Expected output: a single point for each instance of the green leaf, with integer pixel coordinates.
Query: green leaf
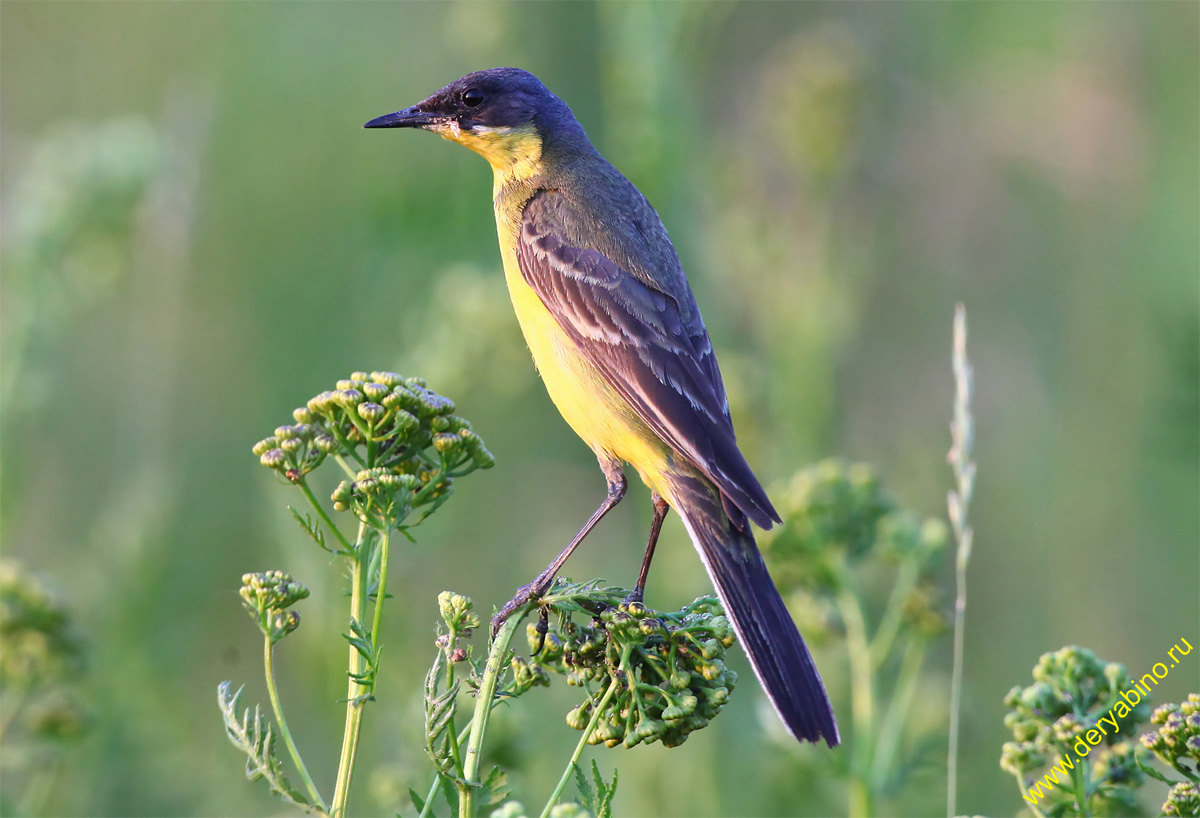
(450, 792)
(494, 788)
(604, 792)
(417, 800)
(255, 736)
(1151, 771)
(439, 711)
(587, 795)
(311, 529)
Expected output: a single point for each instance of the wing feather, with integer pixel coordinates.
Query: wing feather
(637, 337)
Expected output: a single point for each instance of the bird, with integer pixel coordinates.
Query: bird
(616, 335)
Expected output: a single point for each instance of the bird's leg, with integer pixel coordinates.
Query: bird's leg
(616, 491)
(660, 512)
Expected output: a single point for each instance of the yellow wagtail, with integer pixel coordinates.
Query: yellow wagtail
(618, 340)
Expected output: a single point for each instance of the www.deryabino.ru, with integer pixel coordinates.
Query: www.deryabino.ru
(1127, 700)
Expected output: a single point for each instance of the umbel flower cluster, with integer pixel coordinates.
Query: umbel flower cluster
(837, 518)
(650, 676)
(400, 442)
(43, 655)
(267, 597)
(1176, 743)
(1072, 692)
(400, 447)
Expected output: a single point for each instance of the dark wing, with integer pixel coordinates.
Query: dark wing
(634, 335)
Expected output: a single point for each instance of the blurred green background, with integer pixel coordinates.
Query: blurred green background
(198, 237)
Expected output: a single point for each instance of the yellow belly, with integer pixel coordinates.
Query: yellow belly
(596, 411)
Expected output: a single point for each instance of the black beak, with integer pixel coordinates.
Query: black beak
(408, 118)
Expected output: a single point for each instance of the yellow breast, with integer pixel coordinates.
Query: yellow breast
(589, 404)
(593, 408)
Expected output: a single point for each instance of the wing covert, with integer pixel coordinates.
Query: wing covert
(636, 335)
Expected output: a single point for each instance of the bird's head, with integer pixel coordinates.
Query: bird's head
(504, 114)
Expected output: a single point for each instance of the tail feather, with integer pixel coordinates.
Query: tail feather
(764, 627)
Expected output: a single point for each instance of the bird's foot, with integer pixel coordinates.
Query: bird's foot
(524, 595)
(634, 598)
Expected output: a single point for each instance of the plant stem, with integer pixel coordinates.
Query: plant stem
(583, 740)
(862, 694)
(484, 701)
(893, 616)
(380, 587)
(437, 779)
(281, 722)
(962, 434)
(1082, 796)
(460, 783)
(892, 724)
(1032, 806)
(354, 704)
(960, 613)
(303, 484)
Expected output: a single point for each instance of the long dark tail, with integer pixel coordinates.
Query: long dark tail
(765, 628)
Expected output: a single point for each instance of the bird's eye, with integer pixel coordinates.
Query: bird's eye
(473, 98)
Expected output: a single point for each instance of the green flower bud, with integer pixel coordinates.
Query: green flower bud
(1153, 742)
(406, 422)
(303, 415)
(483, 458)
(1068, 728)
(265, 445)
(286, 432)
(1018, 757)
(348, 398)
(1162, 713)
(1114, 672)
(650, 729)
(403, 398)
(578, 717)
(439, 424)
(274, 459)
(635, 609)
(609, 730)
(456, 610)
(510, 809)
(568, 809)
(375, 391)
(674, 713)
(680, 680)
(431, 402)
(446, 443)
(371, 412)
(321, 404)
(1183, 799)
(388, 379)
(283, 623)
(291, 445)
(327, 444)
